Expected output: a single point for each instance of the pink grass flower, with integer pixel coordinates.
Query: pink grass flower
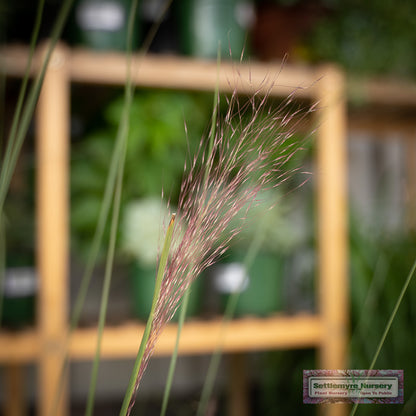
(250, 152)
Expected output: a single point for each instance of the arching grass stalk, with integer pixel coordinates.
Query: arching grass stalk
(132, 386)
(252, 145)
(184, 305)
(389, 324)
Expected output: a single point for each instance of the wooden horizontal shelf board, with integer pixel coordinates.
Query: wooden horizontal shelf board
(203, 337)
(382, 124)
(18, 346)
(195, 74)
(177, 72)
(173, 72)
(384, 92)
(198, 337)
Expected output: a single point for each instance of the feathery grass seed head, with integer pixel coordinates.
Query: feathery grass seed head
(250, 151)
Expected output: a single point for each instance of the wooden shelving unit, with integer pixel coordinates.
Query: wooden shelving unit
(46, 343)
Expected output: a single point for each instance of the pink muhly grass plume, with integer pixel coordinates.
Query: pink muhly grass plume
(248, 152)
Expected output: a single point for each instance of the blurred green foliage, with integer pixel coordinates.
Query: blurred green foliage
(367, 37)
(156, 151)
(379, 266)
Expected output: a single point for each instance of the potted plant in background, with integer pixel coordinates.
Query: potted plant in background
(102, 25)
(18, 279)
(205, 24)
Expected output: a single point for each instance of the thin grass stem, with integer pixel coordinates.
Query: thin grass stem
(229, 312)
(104, 211)
(184, 305)
(174, 356)
(11, 147)
(410, 406)
(2, 262)
(122, 138)
(105, 205)
(28, 109)
(94, 251)
(24, 110)
(389, 324)
(106, 287)
(126, 406)
(364, 323)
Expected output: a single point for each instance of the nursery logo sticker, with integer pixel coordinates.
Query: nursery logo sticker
(357, 386)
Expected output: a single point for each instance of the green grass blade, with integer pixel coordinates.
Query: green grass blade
(229, 312)
(184, 305)
(106, 286)
(365, 321)
(103, 214)
(28, 109)
(24, 110)
(389, 324)
(172, 364)
(105, 208)
(12, 151)
(159, 278)
(410, 406)
(2, 262)
(393, 315)
(155, 26)
(122, 137)
(11, 147)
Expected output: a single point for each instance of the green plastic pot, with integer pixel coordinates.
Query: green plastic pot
(142, 283)
(205, 23)
(102, 24)
(19, 295)
(261, 287)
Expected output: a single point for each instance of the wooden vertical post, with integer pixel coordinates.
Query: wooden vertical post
(52, 228)
(238, 402)
(332, 227)
(410, 146)
(15, 403)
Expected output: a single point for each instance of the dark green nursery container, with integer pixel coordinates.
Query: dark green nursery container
(102, 25)
(205, 23)
(261, 294)
(18, 297)
(142, 283)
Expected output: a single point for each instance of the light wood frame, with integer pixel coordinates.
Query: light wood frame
(326, 330)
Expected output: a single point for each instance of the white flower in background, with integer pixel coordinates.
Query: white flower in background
(141, 229)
